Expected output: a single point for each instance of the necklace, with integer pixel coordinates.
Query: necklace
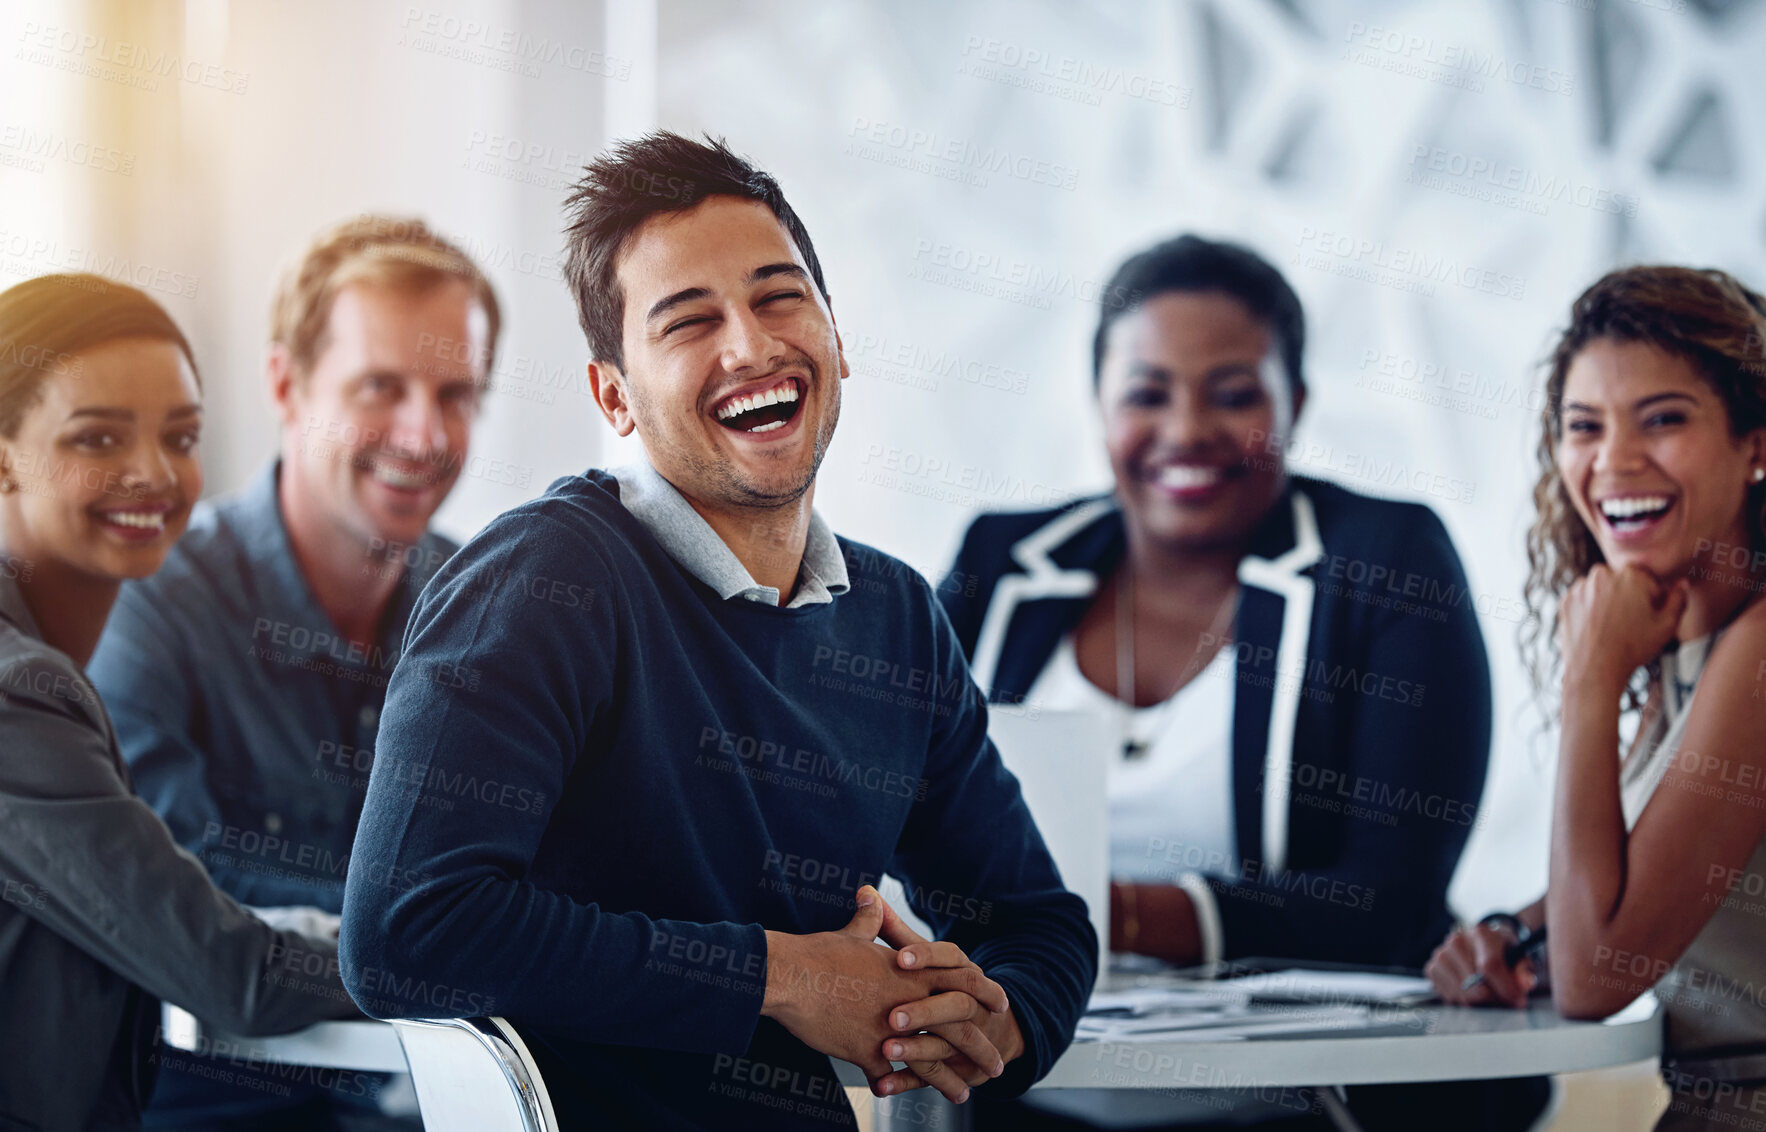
(1135, 747)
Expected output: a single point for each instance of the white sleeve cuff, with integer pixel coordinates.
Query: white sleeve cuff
(1207, 914)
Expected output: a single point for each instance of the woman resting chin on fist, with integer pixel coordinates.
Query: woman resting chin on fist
(1649, 553)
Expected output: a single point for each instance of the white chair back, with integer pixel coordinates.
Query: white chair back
(475, 1075)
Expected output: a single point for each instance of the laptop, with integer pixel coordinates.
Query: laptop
(1061, 759)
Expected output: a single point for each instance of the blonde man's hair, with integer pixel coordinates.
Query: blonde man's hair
(399, 253)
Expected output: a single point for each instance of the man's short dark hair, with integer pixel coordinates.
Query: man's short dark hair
(1191, 263)
(658, 173)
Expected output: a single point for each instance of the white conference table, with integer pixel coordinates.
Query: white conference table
(1397, 1045)
(1427, 1043)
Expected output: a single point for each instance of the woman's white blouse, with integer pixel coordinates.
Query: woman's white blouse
(1171, 809)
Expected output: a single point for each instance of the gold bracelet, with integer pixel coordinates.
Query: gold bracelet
(1131, 920)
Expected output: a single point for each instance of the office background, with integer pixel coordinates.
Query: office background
(1438, 180)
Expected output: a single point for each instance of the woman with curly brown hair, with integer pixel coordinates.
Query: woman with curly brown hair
(1647, 557)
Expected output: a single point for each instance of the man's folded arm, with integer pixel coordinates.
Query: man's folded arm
(440, 919)
(472, 943)
(977, 870)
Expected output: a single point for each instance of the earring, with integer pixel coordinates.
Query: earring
(1759, 474)
(8, 486)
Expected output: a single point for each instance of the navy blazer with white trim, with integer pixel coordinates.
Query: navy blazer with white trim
(1362, 697)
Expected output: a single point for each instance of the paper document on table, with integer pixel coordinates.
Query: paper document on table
(1231, 1023)
(1140, 1001)
(1300, 985)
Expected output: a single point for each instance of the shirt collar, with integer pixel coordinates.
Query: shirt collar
(258, 524)
(257, 521)
(692, 543)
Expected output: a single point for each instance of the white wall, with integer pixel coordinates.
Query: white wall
(471, 114)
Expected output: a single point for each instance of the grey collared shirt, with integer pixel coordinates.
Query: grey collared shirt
(690, 541)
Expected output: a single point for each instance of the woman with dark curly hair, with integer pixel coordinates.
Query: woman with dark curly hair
(1647, 558)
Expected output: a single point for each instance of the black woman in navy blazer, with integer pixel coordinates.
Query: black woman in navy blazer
(1360, 715)
(1382, 744)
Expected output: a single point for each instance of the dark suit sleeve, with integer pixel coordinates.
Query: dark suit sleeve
(115, 885)
(1410, 702)
(977, 870)
(143, 669)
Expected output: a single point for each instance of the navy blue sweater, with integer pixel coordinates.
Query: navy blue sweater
(597, 785)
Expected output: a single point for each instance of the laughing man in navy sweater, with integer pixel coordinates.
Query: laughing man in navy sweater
(652, 731)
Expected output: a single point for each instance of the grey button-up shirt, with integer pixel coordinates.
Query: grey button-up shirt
(690, 541)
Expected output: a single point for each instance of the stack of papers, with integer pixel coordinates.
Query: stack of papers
(1163, 999)
(1363, 987)
(1220, 1023)
(1279, 1002)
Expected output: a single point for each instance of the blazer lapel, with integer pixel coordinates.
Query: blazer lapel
(1258, 627)
(1064, 560)
(1274, 634)
(1044, 577)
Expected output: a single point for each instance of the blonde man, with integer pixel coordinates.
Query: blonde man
(246, 678)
